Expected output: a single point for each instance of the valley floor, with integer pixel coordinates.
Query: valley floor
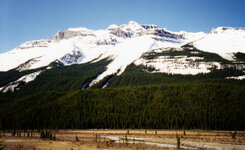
(127, 139)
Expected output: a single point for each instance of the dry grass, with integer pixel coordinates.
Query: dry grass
(86, 139)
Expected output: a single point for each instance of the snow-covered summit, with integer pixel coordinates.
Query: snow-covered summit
(113, 26)
(224, 41)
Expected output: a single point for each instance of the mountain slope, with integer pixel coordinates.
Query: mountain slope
(224, 41)
(59, 78)
(127, 76)
(157, 49)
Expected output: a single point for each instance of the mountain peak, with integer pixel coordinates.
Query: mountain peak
(78, 29)
(132, 23)
(71, 32)
(112, 26)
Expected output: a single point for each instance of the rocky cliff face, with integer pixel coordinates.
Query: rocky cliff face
(70, 33)
(36, 43)
(72, 58)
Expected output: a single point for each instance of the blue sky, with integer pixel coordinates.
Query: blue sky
(23, 20)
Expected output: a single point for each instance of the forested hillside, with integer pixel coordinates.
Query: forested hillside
(59, 78)
(135, 76)
(60, 98)
(175, 106)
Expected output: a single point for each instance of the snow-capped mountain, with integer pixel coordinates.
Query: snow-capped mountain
(89, 44)
(126, 44)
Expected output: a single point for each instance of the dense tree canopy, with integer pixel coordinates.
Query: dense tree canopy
(182, 106)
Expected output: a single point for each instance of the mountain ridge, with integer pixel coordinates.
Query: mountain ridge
(105, 39)
(158, 48)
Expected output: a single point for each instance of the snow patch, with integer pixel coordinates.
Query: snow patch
(124, 54)
(30, 77)
(178, 65)
(237, 78)
(12, 86)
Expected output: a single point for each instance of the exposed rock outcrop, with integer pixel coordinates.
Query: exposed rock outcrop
(70, 33)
